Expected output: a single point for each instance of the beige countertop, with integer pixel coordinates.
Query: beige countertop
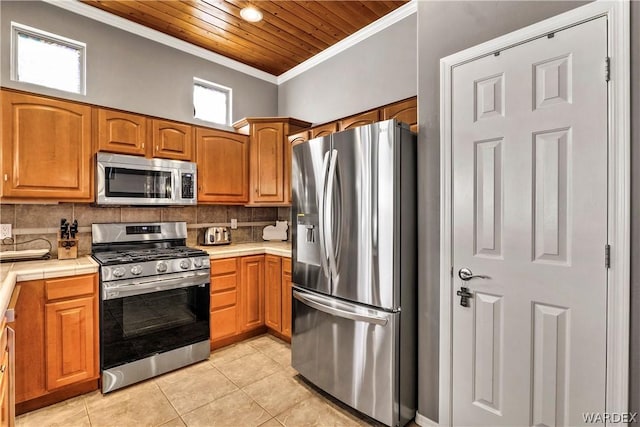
(245, 249)
(11, 273)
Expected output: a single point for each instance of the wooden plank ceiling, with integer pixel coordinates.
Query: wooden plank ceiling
(290, 33)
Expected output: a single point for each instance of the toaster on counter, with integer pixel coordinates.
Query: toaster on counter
(217, 236)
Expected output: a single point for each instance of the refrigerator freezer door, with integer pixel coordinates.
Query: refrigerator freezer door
(362, 214)
(310, 164)
(349, 351)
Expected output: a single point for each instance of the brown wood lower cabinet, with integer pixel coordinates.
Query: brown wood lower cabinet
(286, 297)
(273, 299)
(252, 292)
(247, 294)
(56, 345)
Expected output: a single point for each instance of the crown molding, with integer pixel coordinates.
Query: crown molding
(355, 38)
(157, 36)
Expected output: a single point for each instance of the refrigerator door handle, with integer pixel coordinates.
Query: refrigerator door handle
(329, 207)
(321, 216)
(324, 304)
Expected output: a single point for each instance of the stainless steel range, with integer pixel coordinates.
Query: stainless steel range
(154, 300)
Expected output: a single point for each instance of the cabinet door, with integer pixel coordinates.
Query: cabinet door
(46, 148)
(404, 111)
(5, 401)
(224, 299)
(273, 292)
(358, 120)
(294, 139)
(30, 350)
(252, 291)
(323, 130)
(223, 166)
(286, 297)
(120, 132)
(267, 163)
(172, 140)
(70, 336)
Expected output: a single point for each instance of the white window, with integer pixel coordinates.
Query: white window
(47, 59)
(211, 102)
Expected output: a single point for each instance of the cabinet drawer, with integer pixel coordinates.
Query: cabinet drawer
(221, 266)
(223, 299)
(286, 265)
(221, 283)
(224, 323)
(67, 287)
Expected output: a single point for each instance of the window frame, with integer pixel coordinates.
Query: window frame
(220, 88)
(81, 47)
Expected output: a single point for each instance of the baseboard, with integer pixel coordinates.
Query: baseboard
(279, 335)
(237, 338)
(423, 421)
(57, 396)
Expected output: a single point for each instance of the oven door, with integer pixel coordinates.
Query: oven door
(147, 318)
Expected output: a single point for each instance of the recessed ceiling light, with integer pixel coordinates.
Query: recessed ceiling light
(251, 14)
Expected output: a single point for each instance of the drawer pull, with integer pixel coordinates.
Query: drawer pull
(3, 368)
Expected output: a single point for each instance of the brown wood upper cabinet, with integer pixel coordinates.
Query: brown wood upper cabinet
(223, 166)
(172, 140)
(361, 119)
(323, 130)
(46, 148)
(404, 111)
(269, 158)
(120, 132)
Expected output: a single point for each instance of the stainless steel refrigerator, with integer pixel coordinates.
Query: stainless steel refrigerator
(354, 268)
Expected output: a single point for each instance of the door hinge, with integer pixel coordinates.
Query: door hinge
(607, 256)
(607, 69)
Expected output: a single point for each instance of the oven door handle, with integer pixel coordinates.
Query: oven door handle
(131, 288)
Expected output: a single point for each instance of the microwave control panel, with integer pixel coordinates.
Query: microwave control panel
(187, 186)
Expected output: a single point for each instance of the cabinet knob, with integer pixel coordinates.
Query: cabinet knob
(6, 177)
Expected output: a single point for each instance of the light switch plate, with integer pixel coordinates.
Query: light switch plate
(234, 223)
(5, 231)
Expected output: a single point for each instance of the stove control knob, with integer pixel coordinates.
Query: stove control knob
(136, 269)
(197, 262)
(118, 272)
(184, 264)
(161, 267)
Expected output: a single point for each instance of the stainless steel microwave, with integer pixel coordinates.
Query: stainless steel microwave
(132, 180)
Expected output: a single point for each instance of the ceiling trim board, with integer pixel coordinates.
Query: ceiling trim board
(167, 40)
(355, 38)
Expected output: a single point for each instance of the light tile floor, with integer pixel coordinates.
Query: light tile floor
(248, 384)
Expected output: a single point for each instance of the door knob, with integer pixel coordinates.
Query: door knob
(466, 274)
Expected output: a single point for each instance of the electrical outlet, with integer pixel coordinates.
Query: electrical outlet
(5, 231)
(234, 223)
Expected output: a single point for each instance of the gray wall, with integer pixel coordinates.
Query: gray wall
(130, 72)
(443, 29)
(376, 71)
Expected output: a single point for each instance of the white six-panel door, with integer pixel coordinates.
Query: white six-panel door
(529, 156)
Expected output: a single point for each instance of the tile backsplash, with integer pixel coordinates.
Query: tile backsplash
(32, 221)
